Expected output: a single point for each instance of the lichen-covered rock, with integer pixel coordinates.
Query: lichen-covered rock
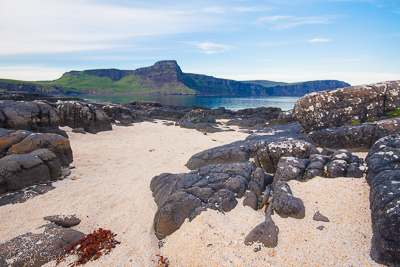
(178, 195)
(383, 175)
(8, 138)
(285, 204)
(57, 144)
(339, 107)
(269, 156)
(76, 114)
(35, 250)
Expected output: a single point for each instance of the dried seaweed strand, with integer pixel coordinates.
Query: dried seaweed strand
(91, 247)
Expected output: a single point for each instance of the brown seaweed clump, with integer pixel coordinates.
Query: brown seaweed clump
(91, 247)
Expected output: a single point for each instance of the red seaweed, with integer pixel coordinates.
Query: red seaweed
(91, 247)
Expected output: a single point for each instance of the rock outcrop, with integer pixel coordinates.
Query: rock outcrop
(340, 107)
(179, 195)
(32, 116)
(77, 114)
(35, 250)
(383, 175)
(242, 151)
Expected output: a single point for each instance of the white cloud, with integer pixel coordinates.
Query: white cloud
(211, 48)
(319, 40)
(31, 72)
(280, 22)
(55, 26)
(214, 9)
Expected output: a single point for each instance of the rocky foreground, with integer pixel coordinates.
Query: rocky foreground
(256, 172)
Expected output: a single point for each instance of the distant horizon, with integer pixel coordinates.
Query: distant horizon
(355, 41)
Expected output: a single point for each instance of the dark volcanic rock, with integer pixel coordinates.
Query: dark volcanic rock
(265, 233)
(383, 175)
(250, 199)
(241, 151)
(269, 156)
(225, 199)
(285, 205)
(37, 249)
(27, 115)
(340, 107)
(20, 171)
(118, 113)
(65, 221)
(171, 215)
(319, 217)
(76, 114)
(178, 195)
(359, 136)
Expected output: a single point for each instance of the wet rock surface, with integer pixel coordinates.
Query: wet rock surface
(383, 175)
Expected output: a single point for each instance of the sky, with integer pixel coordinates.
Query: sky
(356, 41)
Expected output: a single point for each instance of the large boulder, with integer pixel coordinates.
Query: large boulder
(383, 175)
(120, 114)
(77, 114)
(340, 107)
(57, 144)
(35, 250)
(179, 195)
(20, 171)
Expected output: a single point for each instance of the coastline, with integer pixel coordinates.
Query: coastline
(110, 189)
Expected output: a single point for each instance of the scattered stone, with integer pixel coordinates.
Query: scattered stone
(265, 233)
(250, 199)
(321, 227)
(65, 221)
(79, 130)
(319, 217)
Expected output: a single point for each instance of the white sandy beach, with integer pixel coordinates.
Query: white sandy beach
(110, 189)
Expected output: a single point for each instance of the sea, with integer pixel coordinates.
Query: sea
(232, 103)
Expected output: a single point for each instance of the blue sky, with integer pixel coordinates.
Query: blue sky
(283, 40)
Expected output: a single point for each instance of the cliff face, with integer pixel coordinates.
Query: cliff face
(208, 85)
(27, 87)
(307, 87)
(164, 78)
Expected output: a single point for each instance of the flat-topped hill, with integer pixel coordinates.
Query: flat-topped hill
(163, 78)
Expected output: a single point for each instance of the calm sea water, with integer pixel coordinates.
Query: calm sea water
(232, 103)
